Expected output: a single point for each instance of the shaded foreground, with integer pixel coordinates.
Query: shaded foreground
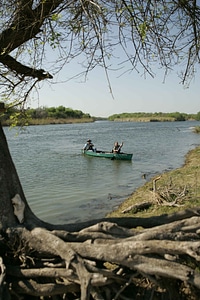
(104, 260)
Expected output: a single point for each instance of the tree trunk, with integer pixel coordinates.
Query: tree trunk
(10, 186)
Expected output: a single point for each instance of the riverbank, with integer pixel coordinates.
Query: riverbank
(47, 121)
(166, 193)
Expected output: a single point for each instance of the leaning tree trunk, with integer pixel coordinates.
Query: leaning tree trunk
(100, 259)
(9, 184)
(14, 208)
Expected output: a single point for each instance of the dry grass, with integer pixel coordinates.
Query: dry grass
(146, 119)
(47, 121)
(59, 121)
(184, 181)
(197, 129)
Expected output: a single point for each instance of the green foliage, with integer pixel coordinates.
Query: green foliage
(143, 30)
(19, 118)
(198, 116)
(157, 116)
(55, 17)
(64, 113)
(41, 115)
(59, 112)
(178, 116)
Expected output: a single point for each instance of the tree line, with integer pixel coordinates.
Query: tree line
(56, 112)
(16, 115)
(59, 112)
(157, 116)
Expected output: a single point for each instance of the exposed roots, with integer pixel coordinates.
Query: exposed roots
(103, 261)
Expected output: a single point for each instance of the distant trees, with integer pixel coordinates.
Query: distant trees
(59, 112)
(180, 116)
(157, 116)
(62, 112)
(198, 116)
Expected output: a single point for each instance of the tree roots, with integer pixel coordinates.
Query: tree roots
(102, 261)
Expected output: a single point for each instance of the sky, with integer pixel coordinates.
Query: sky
(131, 93)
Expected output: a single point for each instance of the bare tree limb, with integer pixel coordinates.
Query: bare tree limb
(17, 67)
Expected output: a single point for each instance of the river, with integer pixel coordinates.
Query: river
(63, 186)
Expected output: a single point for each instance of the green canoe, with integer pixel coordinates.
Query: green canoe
(110, 155)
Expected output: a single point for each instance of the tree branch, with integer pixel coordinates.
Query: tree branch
(26, 24)
(17, 67)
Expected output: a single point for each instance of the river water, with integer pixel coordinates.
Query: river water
(63, 186)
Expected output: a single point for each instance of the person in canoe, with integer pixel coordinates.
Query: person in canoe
(88, 146)
(117, 147)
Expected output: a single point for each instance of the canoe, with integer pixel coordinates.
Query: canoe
(110, 155)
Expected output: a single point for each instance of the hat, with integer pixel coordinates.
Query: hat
(89, 140)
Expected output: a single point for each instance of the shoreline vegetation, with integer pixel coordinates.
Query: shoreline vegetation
(65, 115)
(154, 117)
(165, 193)
(43, 116)
(47, 121)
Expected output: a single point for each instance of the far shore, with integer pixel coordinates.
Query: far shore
(53, 121)
(165, 193)
(48, 121)
(149, 119)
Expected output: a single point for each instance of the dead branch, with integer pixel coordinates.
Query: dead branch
(21, 69)
(32, 288)
(154, 183)
(137, 207)
(168, 195)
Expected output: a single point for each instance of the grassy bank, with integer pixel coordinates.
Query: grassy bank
(59, 121)
(166, 193)
(47, 121)
(145, 119)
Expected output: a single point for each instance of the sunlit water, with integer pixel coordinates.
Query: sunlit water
(64, 186)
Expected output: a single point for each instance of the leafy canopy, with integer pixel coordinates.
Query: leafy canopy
(148, 33)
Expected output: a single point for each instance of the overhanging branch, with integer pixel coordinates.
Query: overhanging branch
(17, 67)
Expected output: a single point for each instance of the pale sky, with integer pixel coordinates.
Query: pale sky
(132, 93)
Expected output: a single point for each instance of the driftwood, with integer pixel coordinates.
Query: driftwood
(104, 260)
(168, 195)
(154, 183)
(137, 207)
